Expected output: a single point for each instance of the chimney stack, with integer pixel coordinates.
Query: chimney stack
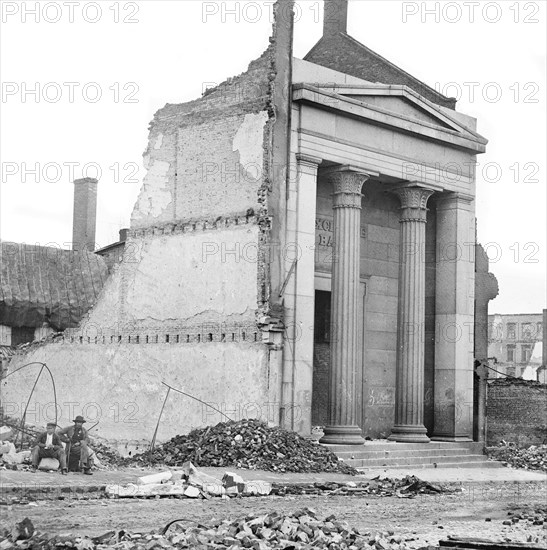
(85, 214)
(335, 17)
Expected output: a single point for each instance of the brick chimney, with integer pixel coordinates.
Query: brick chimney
(85, 214)
(335, 17)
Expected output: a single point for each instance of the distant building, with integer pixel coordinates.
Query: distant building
(44, 289)
(114, 253)
(515, 341)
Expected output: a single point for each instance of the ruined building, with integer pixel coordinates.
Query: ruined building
(302, 249)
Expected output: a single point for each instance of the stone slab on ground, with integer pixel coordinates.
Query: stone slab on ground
(14, 482)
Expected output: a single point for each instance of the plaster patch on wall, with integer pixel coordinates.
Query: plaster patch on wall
(159, 141)
(248, 141)
(155, 195)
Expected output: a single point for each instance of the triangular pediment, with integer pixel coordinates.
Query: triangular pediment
(401, 106)
(406, 104)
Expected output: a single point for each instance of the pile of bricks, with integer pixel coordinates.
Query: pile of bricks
(301, 530)
(248, 444)
(533, 457)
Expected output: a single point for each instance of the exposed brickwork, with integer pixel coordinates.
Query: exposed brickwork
(341, 52)
(516, 412)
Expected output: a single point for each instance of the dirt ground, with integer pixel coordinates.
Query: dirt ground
(478, 511)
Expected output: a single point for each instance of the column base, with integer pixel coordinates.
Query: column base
(342, 435)
(413, 433)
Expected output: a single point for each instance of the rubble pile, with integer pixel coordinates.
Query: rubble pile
(248, 444)
(108, 457)
(301, 530)
(408, 487)
(529, 458)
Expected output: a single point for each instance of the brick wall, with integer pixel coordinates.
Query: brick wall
(341, 52)
(516, 412)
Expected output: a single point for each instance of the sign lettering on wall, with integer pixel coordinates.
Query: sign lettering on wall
(324, 231)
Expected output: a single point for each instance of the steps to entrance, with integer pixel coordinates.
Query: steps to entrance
(381, 454)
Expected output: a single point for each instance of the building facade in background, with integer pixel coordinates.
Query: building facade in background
(515, 344)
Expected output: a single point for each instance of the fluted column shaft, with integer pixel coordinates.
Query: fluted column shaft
(409, 390)
(343, 428)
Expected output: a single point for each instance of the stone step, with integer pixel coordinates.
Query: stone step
(479, 464)
(391, 446)
(416, 461)
(400, 453)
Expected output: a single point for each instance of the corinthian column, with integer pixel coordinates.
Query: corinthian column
(343, 428)
(409, 390)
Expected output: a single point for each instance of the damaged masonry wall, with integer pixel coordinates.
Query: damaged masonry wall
(516, 411)
(185, 304)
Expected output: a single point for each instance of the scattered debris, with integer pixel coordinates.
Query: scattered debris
(248, 444)
(176, 482)
(300, 530)
(408, 487)
(22, 530)
(533, 457)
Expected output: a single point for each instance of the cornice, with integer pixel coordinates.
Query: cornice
(196, 226)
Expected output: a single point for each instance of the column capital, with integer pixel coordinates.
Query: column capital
(347, 182)
(413, 202)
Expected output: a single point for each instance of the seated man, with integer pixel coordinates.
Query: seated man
(77, 446)
(48, 445)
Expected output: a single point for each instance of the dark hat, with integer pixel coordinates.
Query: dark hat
(51, 424)
(79, 419)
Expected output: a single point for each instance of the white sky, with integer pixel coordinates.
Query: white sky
(171, 49)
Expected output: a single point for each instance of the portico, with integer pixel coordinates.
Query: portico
(392, 174)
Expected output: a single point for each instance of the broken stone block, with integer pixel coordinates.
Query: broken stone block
(206, 483)
(257, 487)
(233, 483)
(192, 492)
(155, 478)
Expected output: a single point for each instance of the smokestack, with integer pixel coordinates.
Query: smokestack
(335, 17)
(85, 214)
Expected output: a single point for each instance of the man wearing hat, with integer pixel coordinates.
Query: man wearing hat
(77, 442)
(48, 445)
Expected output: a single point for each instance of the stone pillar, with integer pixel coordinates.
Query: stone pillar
(299, 297)
(454, 318)
(342, 428)
(409, 385)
